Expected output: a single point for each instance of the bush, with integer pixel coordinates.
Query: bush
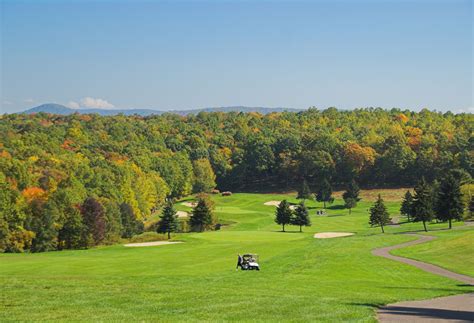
(227, 193)
(215, 191)
(147, 237)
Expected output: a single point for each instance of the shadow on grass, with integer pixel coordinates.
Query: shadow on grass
(336, 207)
(398, 312)
(468, 288)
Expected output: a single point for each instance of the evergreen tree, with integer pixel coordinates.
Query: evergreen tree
(378, 214)
(407, 206)
(130, 224)
(423, 203)
(324, 193)
(471, 207)
(301, 216)
(449, 204)
(169, 220)
(41, 222)
(93, 216)
(304, 192)
(283, 214)
(351, 196)
(201, 217)
(71, 235)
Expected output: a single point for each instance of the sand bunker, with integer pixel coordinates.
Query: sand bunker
(272, 203)
(182, 214)
(327, 235)
(276, 203)
(150, 244)
(189, 204)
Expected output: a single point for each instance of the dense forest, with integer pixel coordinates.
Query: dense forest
(81, 180)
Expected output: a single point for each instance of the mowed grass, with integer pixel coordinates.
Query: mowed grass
(453, 250)
(302, 278)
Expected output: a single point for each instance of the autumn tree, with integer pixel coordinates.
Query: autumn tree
(93, 215)
(204, 177)
(378, 214)
(130, 224)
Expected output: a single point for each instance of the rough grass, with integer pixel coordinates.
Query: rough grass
(302, 278)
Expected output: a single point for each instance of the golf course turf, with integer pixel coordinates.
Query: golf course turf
(301, 278)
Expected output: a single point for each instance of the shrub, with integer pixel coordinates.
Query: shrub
(227, 193)
(147, 237)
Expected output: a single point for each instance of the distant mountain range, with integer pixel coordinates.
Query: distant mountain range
(54, 108)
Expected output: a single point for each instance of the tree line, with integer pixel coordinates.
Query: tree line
(50, 165)
(440, 200)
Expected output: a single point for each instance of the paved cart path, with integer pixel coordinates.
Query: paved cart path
(385, 252)
(457, 308)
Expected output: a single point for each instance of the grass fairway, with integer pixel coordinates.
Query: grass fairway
(302, 278)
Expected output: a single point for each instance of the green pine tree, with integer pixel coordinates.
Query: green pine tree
(449, 204)
(304, 192)
(351, 196)
(324, 193)
(169, 220)
(407, 206)
(201, 217)
(378, 214)
(283, 214)
(301, 216)
(423, 203)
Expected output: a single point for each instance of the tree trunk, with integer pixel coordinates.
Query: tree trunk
(300, 229)
(450, 224)
(324, 203)
(383, 231)
(283, 227)
(169, 235)
(424, 225)
(350, 210)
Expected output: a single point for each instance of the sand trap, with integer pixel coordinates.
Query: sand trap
(150, 244)
(327, 235)
(189, 204)
(276, 203)
(182, 214)
(272, 203)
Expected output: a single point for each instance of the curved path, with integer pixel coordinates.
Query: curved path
(457, 308)
(385, 252)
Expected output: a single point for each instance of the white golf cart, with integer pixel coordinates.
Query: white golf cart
(250, 262)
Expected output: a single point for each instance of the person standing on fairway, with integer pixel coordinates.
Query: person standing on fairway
(239, 262)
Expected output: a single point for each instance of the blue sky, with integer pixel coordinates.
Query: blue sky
(192, 54)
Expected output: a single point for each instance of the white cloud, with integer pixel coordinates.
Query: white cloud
(464, 110)
(73, 105)
(29, 100)
(7, 102)
(89, 102)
